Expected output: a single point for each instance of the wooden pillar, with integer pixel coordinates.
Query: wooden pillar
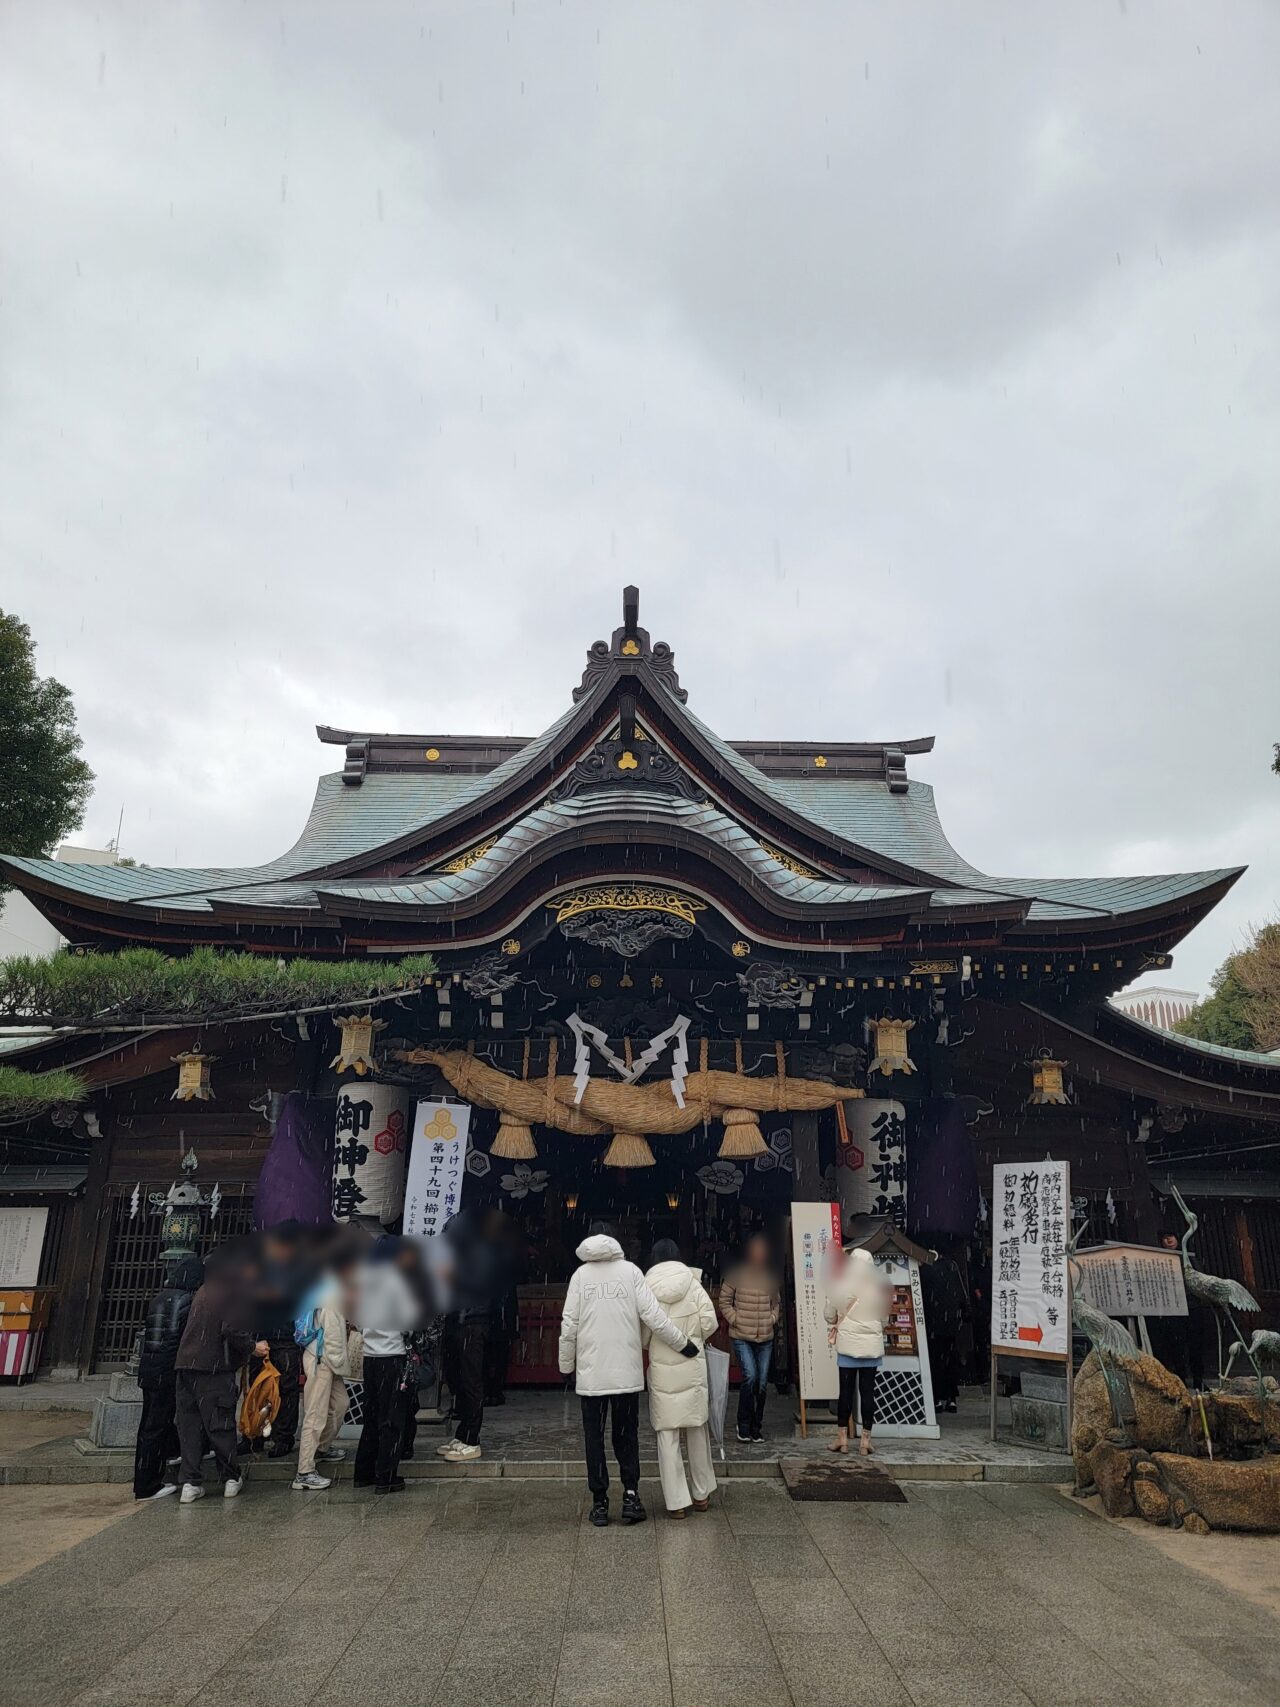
(807, 1177)
(1146, 1222)
(80, 1271)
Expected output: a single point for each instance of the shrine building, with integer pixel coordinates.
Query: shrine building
(680, 981)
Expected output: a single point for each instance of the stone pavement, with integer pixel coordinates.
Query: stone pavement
(539, 1435)
(499, 1594)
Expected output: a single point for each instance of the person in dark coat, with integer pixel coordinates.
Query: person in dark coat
(166, 1318)
(946, 1316)
(479, 1284)
(218, 1339)
(285, 1279)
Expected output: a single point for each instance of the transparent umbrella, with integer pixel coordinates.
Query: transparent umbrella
(717, 1393)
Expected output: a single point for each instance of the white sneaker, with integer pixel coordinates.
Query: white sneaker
(191, 1491)
(308, 1482)
(232, 1487)
(163, 1493)
(445, 1449)
(332, 1455)
(459, 1453)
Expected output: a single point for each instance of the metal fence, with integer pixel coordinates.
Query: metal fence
(134, 1272)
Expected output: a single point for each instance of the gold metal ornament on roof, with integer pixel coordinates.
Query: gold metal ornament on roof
(1046, 1081)
(630, 648)
(891, 1046)
(432, 754)
(820, 762)
(193, 1076)
(355, 1051)
(629, 898)
(788, 862)
(464, 861)
(628, 762)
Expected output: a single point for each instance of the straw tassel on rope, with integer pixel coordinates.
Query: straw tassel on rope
(628, 1150)
(742, 1135)
(514, 1142)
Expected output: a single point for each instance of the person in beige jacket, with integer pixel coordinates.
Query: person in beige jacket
(678, 1401)
(330, 1358)
(751, 1302)
(857, 1309)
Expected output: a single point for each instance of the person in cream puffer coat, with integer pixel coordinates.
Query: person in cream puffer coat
(857, 1308)
(606, 1309)
(678, 1386)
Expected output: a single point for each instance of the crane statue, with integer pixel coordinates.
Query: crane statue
(1111, 1340)
(1223, 1296)
(1263, 1343)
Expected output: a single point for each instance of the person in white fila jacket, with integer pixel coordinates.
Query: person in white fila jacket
(605, 1308)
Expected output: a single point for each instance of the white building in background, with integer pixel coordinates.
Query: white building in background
(22, 929)
(1156, 1005)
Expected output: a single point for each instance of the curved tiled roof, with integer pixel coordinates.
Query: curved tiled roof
(355, 834)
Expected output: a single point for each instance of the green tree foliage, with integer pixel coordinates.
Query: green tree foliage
(44, 783)
(1243, 1012)
(139, 986)
(23, 1094)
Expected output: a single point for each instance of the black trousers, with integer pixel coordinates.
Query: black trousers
(382, 1432)
(864, 1382)
(944, 1363)
(206, 1410)
(497, 1354)
(286, 1354)
(473, 1345)
(626, 1440)
(157, 1435)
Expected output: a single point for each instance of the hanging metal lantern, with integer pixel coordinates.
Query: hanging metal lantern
(891, 1046)
(180, 1230)
(193, 1076)
(1046, 1081)
(356, 1048)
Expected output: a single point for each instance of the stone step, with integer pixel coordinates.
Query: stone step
(92, 1464)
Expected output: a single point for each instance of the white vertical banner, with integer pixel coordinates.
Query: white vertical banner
(437, 1164)
(815, 1227)
(871, 1169)
(370, 1142)
(1031, 1219)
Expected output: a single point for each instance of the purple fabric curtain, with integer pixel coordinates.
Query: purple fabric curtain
(942, 1176)
(296, 1182)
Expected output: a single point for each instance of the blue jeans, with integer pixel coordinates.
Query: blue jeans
(754, 1358)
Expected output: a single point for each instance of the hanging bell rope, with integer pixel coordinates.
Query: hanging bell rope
(742, 1136)
(629, 1150)
(514, 1142)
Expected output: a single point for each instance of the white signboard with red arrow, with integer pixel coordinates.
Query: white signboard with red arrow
(1030, 1288)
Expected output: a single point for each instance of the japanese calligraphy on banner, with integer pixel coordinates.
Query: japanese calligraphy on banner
(1131, 1280)
(1031, 1215)
(871, 1169)
(370, 1141)
(814, 1228)
(437, 1163)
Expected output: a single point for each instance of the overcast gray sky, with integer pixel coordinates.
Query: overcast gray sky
(920, 362)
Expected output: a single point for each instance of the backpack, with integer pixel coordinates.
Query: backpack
(306, 1325)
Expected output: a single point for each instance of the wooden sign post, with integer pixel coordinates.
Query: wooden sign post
(1030, 1275)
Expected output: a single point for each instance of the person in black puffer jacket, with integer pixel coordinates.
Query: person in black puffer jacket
(157, 1432)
